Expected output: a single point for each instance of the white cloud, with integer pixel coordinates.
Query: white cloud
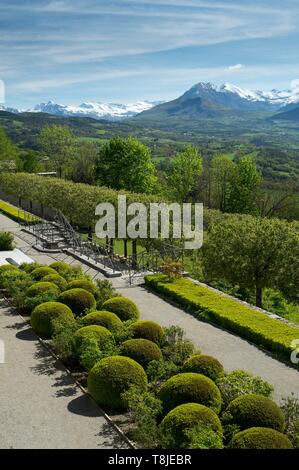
(295, 83)
(235, 67)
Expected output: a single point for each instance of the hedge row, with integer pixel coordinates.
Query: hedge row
(273, 335)
(15, 214)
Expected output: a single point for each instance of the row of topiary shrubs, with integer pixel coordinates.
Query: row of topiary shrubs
(176, 396)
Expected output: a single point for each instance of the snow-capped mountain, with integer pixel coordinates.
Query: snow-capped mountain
(107, 111)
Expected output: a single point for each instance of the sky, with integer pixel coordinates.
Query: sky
(122, 51)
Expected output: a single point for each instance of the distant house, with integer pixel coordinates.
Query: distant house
(8, 165)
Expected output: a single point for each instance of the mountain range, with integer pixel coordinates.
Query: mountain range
(202, 101)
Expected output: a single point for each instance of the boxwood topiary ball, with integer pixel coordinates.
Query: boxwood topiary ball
(184, 417)
(124, 308)
(260, 438)
(56, 279)
(141, 350)
(61, 267)
(101, 334)
(112, 376)
(40, 273)
(206, 365)
(39, 288)
(189, 388)
(148, 330)
(248, 411)
(44, 314)
(79, 300)
(82, 283)
(107, 319)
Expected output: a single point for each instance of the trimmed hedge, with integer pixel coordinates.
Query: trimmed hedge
(124, 308)
(260, 438)
(102, 318)
(141, 350)
(56, 279)
(39, 273)
(61, 267)
(184, 417)
(205, 365)
(78, 300)
(247, 322)
(101, 334)
(82, 283)
(189, 388)
(248, 411)
(111, 377)
(44, 314)
(148, 329)
(39, 288)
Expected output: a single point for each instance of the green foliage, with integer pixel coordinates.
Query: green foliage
(39, 288)
(204, 437)
(58, 144)
(183, 418)
(185, 170)
(59, 281)
(172, 269)
(15, 214)
(144, 409)
(189, 388)
(119, 153)
(273, 335)
(79, 300)
(142, 351)
(44, 314)
(290, 408)
(124, 308)
(105, 291)
(238, 382)
(222, 169)
(206, 365)
(254, 253)
(15, 282)
(6, 241)
(5, 269)
(161, 370)
(111, 377)
(90, 352)
(260, 438)
(82, 283)
(39, 273)
(99, 333)
(107, 319)
(176, 347)
(63, 339)
(61, 268)
(251, 410)
(148, 330)
(29, 267)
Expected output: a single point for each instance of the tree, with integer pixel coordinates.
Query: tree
(222, 171)
(30, 161)
(84, 165)
(58, 143)
(126, 164)
(8, 151)
(184, 174)
(254, 253)
(244, 183)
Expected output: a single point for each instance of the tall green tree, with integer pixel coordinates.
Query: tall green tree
(244, 184)
(58, 143)
(84, 164)
(254, 253)
(185, 171)
(8, 151)
(222, 171)
(126, 164)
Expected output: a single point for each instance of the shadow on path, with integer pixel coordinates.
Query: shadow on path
(26, 335)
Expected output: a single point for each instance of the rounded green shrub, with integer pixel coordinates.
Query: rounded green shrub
(111, 377)
(102, 318)
(39, 273)
(39, 288)
(56, 279)
(124, 308)
(44, 314)
(184, 417)
(141, 350)
(148, 330)
(99, 333)
(7, 267)
(82, 283)
(260, 438)
(79, 300)
(189, 388)
(248, 411)
(9, 276)
(205, 365)
(29, 267)
(61, 267)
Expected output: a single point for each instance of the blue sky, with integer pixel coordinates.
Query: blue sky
(71, 51)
